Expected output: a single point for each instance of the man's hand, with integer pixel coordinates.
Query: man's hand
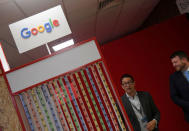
(151, 125)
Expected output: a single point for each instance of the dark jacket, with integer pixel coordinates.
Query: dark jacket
(148, 106)
(179, 91)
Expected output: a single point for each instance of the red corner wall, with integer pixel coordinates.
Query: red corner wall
(145, 55)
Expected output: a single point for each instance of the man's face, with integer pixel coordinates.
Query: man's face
(128, 85)
(178, 63)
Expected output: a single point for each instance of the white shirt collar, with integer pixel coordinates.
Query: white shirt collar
(130, 97)
(185, 70)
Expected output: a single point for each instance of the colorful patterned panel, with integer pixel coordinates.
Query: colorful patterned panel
(80, 100)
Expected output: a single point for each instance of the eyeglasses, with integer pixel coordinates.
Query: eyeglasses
(127, 83)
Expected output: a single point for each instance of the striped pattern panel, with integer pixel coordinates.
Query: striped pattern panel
(80, 100)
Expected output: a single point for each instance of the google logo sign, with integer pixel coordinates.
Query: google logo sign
(26, 33)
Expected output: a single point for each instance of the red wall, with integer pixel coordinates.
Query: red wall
(145, 55)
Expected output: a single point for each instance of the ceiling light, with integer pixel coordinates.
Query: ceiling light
(3, 60)
(63, 45)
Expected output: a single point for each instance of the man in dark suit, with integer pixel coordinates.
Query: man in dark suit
(179, 81)
(139, 105)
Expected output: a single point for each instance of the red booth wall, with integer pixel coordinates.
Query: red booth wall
(145, 55)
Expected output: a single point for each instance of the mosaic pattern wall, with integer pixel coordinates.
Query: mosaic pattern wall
(8, 116)
(81, 100)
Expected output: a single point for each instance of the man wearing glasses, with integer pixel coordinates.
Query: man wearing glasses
(139, 105)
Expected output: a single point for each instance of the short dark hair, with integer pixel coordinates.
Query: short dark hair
(126, 76)
(180, 54)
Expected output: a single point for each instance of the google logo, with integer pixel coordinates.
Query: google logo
(26, 33)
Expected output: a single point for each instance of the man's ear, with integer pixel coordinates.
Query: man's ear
(184, 59)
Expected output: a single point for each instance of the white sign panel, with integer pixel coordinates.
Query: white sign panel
(39, 29)
(53, 66)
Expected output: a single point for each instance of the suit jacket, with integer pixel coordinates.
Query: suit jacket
(149, 108)
(179, 92)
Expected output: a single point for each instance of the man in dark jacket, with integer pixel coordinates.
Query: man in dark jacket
(179, 81)
(141, 110)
